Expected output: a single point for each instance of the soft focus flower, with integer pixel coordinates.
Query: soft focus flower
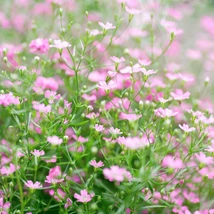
(180, 95)
(129, 117)
(59, 44)
(117, 60)
(107, 86)
(31, 185)
(68, 203)
(4, 207)
(186, 128)
(54, 140)
(115, 131)
(38, 153)
(84, 196)
(160, 112)
(98, 127)
(107, 26)
(96, 164)
(115, 173)
(39, 46)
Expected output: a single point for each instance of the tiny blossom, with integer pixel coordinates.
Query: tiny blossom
(8, 99)
(130, 117)
(132, 11)
(112, 73)
(171, 162)
(117, 60)
(186, 128)
(84, 196)
(144, 62)
(131, 69)
(99, 128)
(38, 153)
(54, 140)
(41, 107)
(160, 112)
(4, 207)
(8, 170)
(107, 86)
(59, 44)
(31, 185)
(93, 115)
(39, 46)
(107, 26)
(115, 131)
(148, 72)
(162, 100)
(179, 95)
(51, 95)
(115, 173)
(96, 164)
(68, 203)
(201, 157)
(51, 180)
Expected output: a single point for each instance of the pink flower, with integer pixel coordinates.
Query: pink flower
(107, 26)
(38, 153)
(39, 46)
(160, 112)
(31, 185)
(148, 72)
(84, 197)
(8, 99)
(115, 131)
(144, 62)
(115, 173)
(202, 158)
(186, 128)
(130, 117)
(179, 95)
(8, 170)
(135, 143)
(99, 128)
(107, 86)
(54, 140)
(41, 107)
(96, 164)
(4, 207)
(51, 95)
(117, 60)
(68, 203)
(132, 11)
(172, 162)
(59, 44)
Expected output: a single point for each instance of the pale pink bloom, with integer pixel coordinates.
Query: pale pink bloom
(172, 76)
(114, 131)
(40, 107)
(51, 180)
(4, 207)
(84, 196)
(130, 117)
(148, 72)
(135, 143)
(160, 112)
(43, 83)
(186, 128)
(180, 95)
(67, 105)
(52, 160)
(96, 164)
(39, 46)
(195, 113)
(8, 99)
(112, 73)
(60, 194)
(8, 170)
(129, 70)
(94, 32)
(186, 77)
(31, 185)
(23, 68)
(89, 97)
(162, 100)
(38, 153)
(115, 173)
(144, 62)
(172, 162)
(201, 157)
(59, 44)
(206, 120)
(68, 203)
(209, 172)
(54, 140)
(107, 86)
(99, 128)
(132, 11)
(117, 60)
(107, 26)
(93, 115)
(51, 96)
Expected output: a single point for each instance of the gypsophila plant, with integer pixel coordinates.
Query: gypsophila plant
(106, 107)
